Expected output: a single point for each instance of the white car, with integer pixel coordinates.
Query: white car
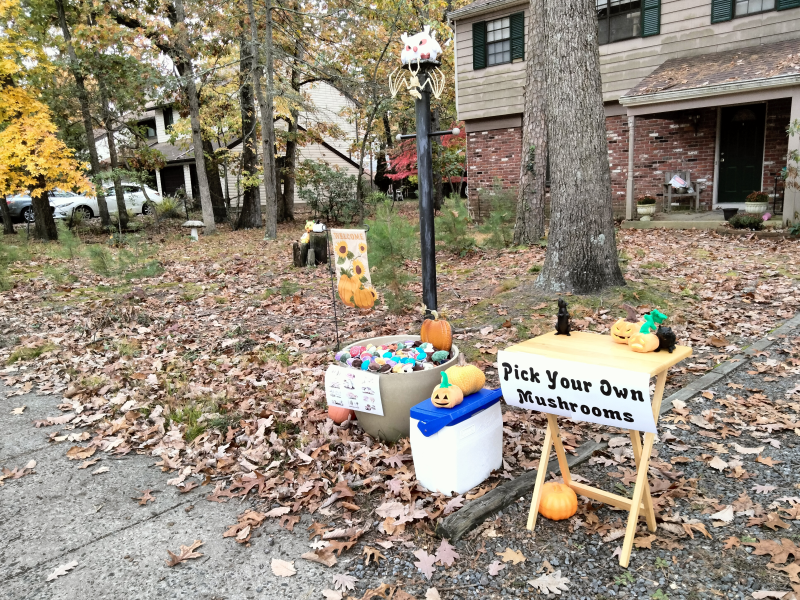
(135, 201)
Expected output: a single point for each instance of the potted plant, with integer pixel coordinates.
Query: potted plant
(729, 213)
(756, 203)
(646, 207)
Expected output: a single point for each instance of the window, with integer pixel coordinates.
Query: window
(498, 41)
(618, 20)
(168, 118)
(149, 127)
(748, 7)
(725, 10)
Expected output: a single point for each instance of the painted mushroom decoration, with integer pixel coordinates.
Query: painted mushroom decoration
(446, 395)
(195, 225)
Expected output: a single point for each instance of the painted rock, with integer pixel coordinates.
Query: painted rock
(440, 356)
(357, 362)
(366, 365)
(380, 361)
(384, 369)
(350, 362)
(356, 350)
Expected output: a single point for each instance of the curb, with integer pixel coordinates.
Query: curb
(455, 526)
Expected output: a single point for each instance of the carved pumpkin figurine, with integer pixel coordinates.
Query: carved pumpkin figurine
(558, 501)
(468, 378)
(446, 395)
(438, 332)
(623, 329)
(643, 342)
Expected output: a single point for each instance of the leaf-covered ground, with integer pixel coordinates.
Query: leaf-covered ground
(215, 367)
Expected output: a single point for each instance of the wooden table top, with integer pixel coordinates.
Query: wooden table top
(597, 349)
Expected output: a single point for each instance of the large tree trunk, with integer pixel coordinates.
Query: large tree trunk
(86, 113)
(286, 207)
(183, 64)
(267, 117)
(529, 227)
(250, 207)
(214, 182)
(44, 225)
(581, 248)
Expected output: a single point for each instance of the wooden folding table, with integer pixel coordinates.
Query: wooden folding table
(600, 350)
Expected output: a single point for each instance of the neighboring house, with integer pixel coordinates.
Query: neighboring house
(708, 86)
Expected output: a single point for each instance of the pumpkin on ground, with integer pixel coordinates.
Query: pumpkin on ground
(347, 288)
(643, 342)
(339, 414)
(438, 332)
(468, 378)
(558, 501)
(446, 395)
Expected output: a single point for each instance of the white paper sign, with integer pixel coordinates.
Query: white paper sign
(577, 390)
(354, 389)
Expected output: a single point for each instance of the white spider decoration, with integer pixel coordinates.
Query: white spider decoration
(421, 46)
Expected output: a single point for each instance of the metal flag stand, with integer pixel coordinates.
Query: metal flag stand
(332, 269)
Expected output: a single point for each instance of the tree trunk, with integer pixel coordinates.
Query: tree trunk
(267, 117)
(250, 207)
(290, 162)
(387, 129)
(122, 210)
(436, 146)
(581, 248)
(44, 225)
(529, 227)
(8, 226)
(86, 113)
(185, 69)
(214, 183)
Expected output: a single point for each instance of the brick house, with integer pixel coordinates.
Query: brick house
(708, 86)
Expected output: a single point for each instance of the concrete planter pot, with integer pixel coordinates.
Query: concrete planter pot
(399, 392)
(755, 208)
(645, 211)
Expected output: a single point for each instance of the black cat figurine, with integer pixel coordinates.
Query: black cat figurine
(562, 321)
(666, 339)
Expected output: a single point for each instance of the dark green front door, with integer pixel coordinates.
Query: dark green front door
(741, 151)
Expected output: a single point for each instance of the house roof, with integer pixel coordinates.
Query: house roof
(480, 7)
(767, 65)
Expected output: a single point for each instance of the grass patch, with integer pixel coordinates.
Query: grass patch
(29, 353)
(535, 269)
(278, 353)
(653, 265)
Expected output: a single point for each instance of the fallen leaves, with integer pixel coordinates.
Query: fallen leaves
(247, 522)
(81, 453)
(323, 556)
(512, 556)
(185, 553)
(62, 570)
(495, 567)
(372, 554)
(718, 464)
(446, 554)
(550, 582)
(19, 410)
(425, 563)
(282, 568)
(145, 498)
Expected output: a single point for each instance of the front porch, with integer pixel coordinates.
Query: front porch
(687, 219)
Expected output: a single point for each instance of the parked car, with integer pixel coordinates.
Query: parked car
(20, 205)
(135, 201)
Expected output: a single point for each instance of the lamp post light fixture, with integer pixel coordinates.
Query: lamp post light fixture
(418, 57)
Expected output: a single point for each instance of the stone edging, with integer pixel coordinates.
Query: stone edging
(475, 512)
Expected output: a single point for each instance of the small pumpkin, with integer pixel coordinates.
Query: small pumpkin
(643, 342)
(558, 501)
(446, 395)
(339, 414)
(468, 378)
(623, 329)
(347, 287)
(437, 332)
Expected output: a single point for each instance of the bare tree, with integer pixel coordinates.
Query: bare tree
(581, 248)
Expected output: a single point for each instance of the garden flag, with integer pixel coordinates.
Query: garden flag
(352, 267)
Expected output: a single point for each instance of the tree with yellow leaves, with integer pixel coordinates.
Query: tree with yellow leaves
(31, 156)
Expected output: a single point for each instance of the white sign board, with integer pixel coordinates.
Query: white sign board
(580, 391)
(354, 389)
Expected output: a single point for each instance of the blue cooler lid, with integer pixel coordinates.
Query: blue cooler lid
(433, 419)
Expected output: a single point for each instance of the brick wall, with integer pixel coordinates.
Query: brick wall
(776, 140)
(675, 141)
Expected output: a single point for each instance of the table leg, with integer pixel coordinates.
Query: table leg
(540, 476)
(649, 513)
(638, 492)
(560, 454)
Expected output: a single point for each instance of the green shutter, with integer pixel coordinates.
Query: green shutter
(721, 10)
(479, 45)
(784, 4)
(651, 17)
(517, 35)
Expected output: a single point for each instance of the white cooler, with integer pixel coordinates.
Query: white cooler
(455, 449)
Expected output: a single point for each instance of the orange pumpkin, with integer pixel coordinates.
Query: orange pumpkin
(347, 287)
(468, 378)
(339, 414)
(438, 332)
(558, 501)
(643, 342)
(365, 297)
(623, 329)
(446, 395)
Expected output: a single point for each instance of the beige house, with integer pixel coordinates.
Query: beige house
(702, 87)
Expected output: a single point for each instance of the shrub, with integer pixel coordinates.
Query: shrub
(329, 192)
(130, 261)
(451, 226)
(646, 200)
(170, 208)
(757, 197)
(747, 221)
(392, 240)
(499, 226)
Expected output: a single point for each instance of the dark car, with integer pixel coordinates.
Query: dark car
(20, 205)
